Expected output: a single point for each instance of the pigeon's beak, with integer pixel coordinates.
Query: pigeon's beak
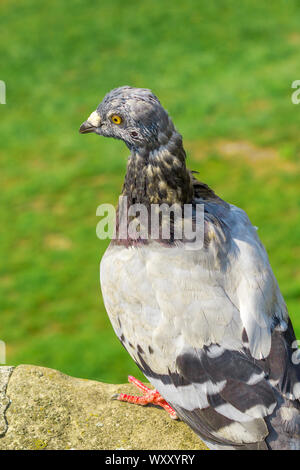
(86, 127)
(91, 124)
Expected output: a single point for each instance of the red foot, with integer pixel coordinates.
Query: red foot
(149, 396)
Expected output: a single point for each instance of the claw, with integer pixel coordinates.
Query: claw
(149, 397)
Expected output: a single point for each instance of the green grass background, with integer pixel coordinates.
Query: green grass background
(223, 69)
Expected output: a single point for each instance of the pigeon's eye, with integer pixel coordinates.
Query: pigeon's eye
(116, 119)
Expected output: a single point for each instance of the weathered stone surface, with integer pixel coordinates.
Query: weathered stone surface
(50, 410)
(5, 373)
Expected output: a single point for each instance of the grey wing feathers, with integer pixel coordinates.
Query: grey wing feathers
(232, 400)
(237, 396)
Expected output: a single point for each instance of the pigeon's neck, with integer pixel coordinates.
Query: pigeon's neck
(157, 176)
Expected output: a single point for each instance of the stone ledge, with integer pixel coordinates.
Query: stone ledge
(50, 410)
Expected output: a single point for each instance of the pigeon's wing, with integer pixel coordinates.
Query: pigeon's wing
(221, 394)
(227, 328)
(229, 399)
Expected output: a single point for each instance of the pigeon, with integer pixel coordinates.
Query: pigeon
(206, 325)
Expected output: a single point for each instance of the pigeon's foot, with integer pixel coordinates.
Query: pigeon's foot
(149, 396)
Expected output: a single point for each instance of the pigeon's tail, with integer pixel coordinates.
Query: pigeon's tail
(284, 426)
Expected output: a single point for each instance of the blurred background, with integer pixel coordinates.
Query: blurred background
(223, 69)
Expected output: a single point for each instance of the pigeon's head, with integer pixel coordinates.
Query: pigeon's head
(133, 115)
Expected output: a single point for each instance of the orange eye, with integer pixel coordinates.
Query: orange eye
(116, 119)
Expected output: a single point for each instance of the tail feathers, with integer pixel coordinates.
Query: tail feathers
(284, 427)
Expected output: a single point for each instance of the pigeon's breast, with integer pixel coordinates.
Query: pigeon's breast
(130, 300)
(161, 299)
